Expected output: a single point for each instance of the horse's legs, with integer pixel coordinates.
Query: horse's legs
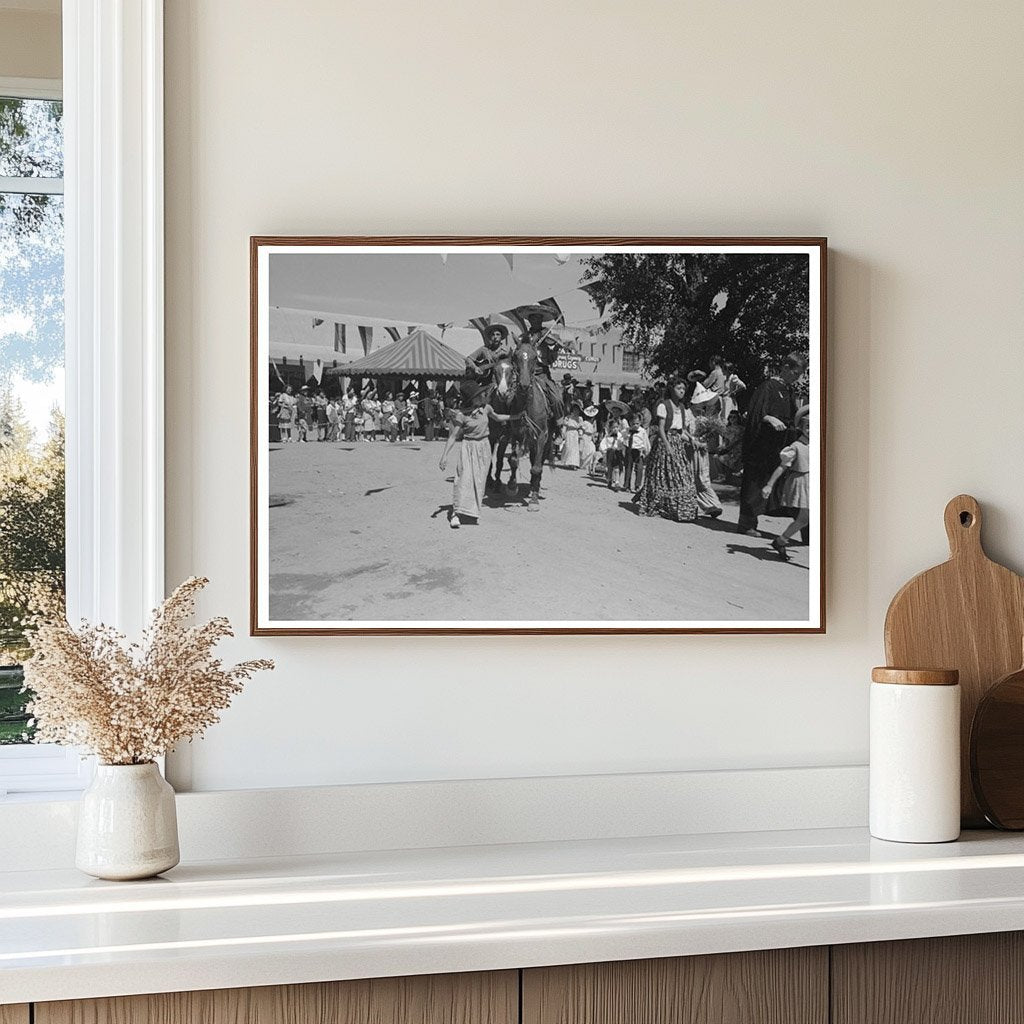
(494, 469)
(538, 450)
(513, 466)
(499, 464)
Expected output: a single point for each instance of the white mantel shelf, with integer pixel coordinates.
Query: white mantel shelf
(227, 924)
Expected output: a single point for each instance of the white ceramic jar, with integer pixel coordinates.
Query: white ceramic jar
(127, 823)
(915, 755)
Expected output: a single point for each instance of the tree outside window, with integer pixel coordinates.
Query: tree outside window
(31, 386)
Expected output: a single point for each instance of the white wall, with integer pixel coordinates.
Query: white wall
(895, 129)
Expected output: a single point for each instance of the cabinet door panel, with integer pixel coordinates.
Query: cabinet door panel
(483, 998)
(960, 979)
(14, 1014)
(779, 986)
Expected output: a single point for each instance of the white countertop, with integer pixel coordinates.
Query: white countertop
(226, 924)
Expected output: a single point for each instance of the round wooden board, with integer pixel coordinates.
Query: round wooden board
(997, 752)
(967, 613)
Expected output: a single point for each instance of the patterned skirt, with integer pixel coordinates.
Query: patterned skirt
(669, 488)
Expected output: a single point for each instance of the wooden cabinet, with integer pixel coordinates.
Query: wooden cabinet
(967, 979)
(962, 979)
(778, 986)
(491, 998)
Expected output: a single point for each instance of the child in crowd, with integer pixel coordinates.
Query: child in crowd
(794, 497)
(320, 415)
(304, 410)
(369, 418)
(734, 387)
(285, 404)
(614, 447)
(730, 454)
(332, 419)
(349, 406)
(638, 445)
(471, 432)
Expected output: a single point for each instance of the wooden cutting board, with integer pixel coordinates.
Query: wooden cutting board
(967, 614)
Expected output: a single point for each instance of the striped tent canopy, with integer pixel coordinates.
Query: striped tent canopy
(418, 354)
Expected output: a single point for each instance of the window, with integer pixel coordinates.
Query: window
(31, 384)
(339, 338)
(630, 362)
(112, 121)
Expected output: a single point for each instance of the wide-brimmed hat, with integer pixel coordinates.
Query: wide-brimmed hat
(695, 375)
(590, 411)
(702, 395)
(568, 378)
(471, 392)
(497, 327)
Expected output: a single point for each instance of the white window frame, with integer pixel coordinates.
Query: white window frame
(114, 345)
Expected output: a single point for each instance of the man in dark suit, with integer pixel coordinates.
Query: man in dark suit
(769, 418)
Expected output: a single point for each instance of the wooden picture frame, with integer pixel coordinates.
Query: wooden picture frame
(305, 281)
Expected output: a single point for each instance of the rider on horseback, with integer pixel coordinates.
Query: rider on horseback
(535, 355)
(480, 362)
(539, 397)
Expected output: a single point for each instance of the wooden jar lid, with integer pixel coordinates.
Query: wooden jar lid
(916, 676)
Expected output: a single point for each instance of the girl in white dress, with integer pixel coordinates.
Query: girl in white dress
(794, 498)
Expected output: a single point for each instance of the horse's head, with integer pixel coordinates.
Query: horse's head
(502, 374)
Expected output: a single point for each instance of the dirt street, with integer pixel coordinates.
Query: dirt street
(359, 532)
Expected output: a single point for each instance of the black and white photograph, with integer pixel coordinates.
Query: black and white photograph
(543, 435)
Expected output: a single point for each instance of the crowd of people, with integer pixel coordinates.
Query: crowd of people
(372, 415)
(667, 446)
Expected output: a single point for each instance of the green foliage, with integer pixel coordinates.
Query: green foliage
(680, 309)
(31, 525)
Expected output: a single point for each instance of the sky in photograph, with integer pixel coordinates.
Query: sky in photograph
(418, 287)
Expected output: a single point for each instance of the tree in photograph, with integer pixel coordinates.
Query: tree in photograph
(679, 309)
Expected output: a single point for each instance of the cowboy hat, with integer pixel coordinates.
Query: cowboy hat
(491, 328)
(702, 395)
(471, 391)
(590, 412)
(568, 378)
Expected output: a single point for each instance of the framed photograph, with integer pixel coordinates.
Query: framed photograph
(537, 435)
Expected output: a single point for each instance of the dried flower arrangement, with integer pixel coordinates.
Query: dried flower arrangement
(130, 703)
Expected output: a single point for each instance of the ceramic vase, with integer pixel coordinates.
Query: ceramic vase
(127, 825)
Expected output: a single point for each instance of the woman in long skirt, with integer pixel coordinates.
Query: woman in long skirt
(471, 432)
(588, 433)
(668, 489)
(702, 421)
(571, 429)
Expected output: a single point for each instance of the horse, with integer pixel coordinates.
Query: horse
(538, 400)
(503, 436)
